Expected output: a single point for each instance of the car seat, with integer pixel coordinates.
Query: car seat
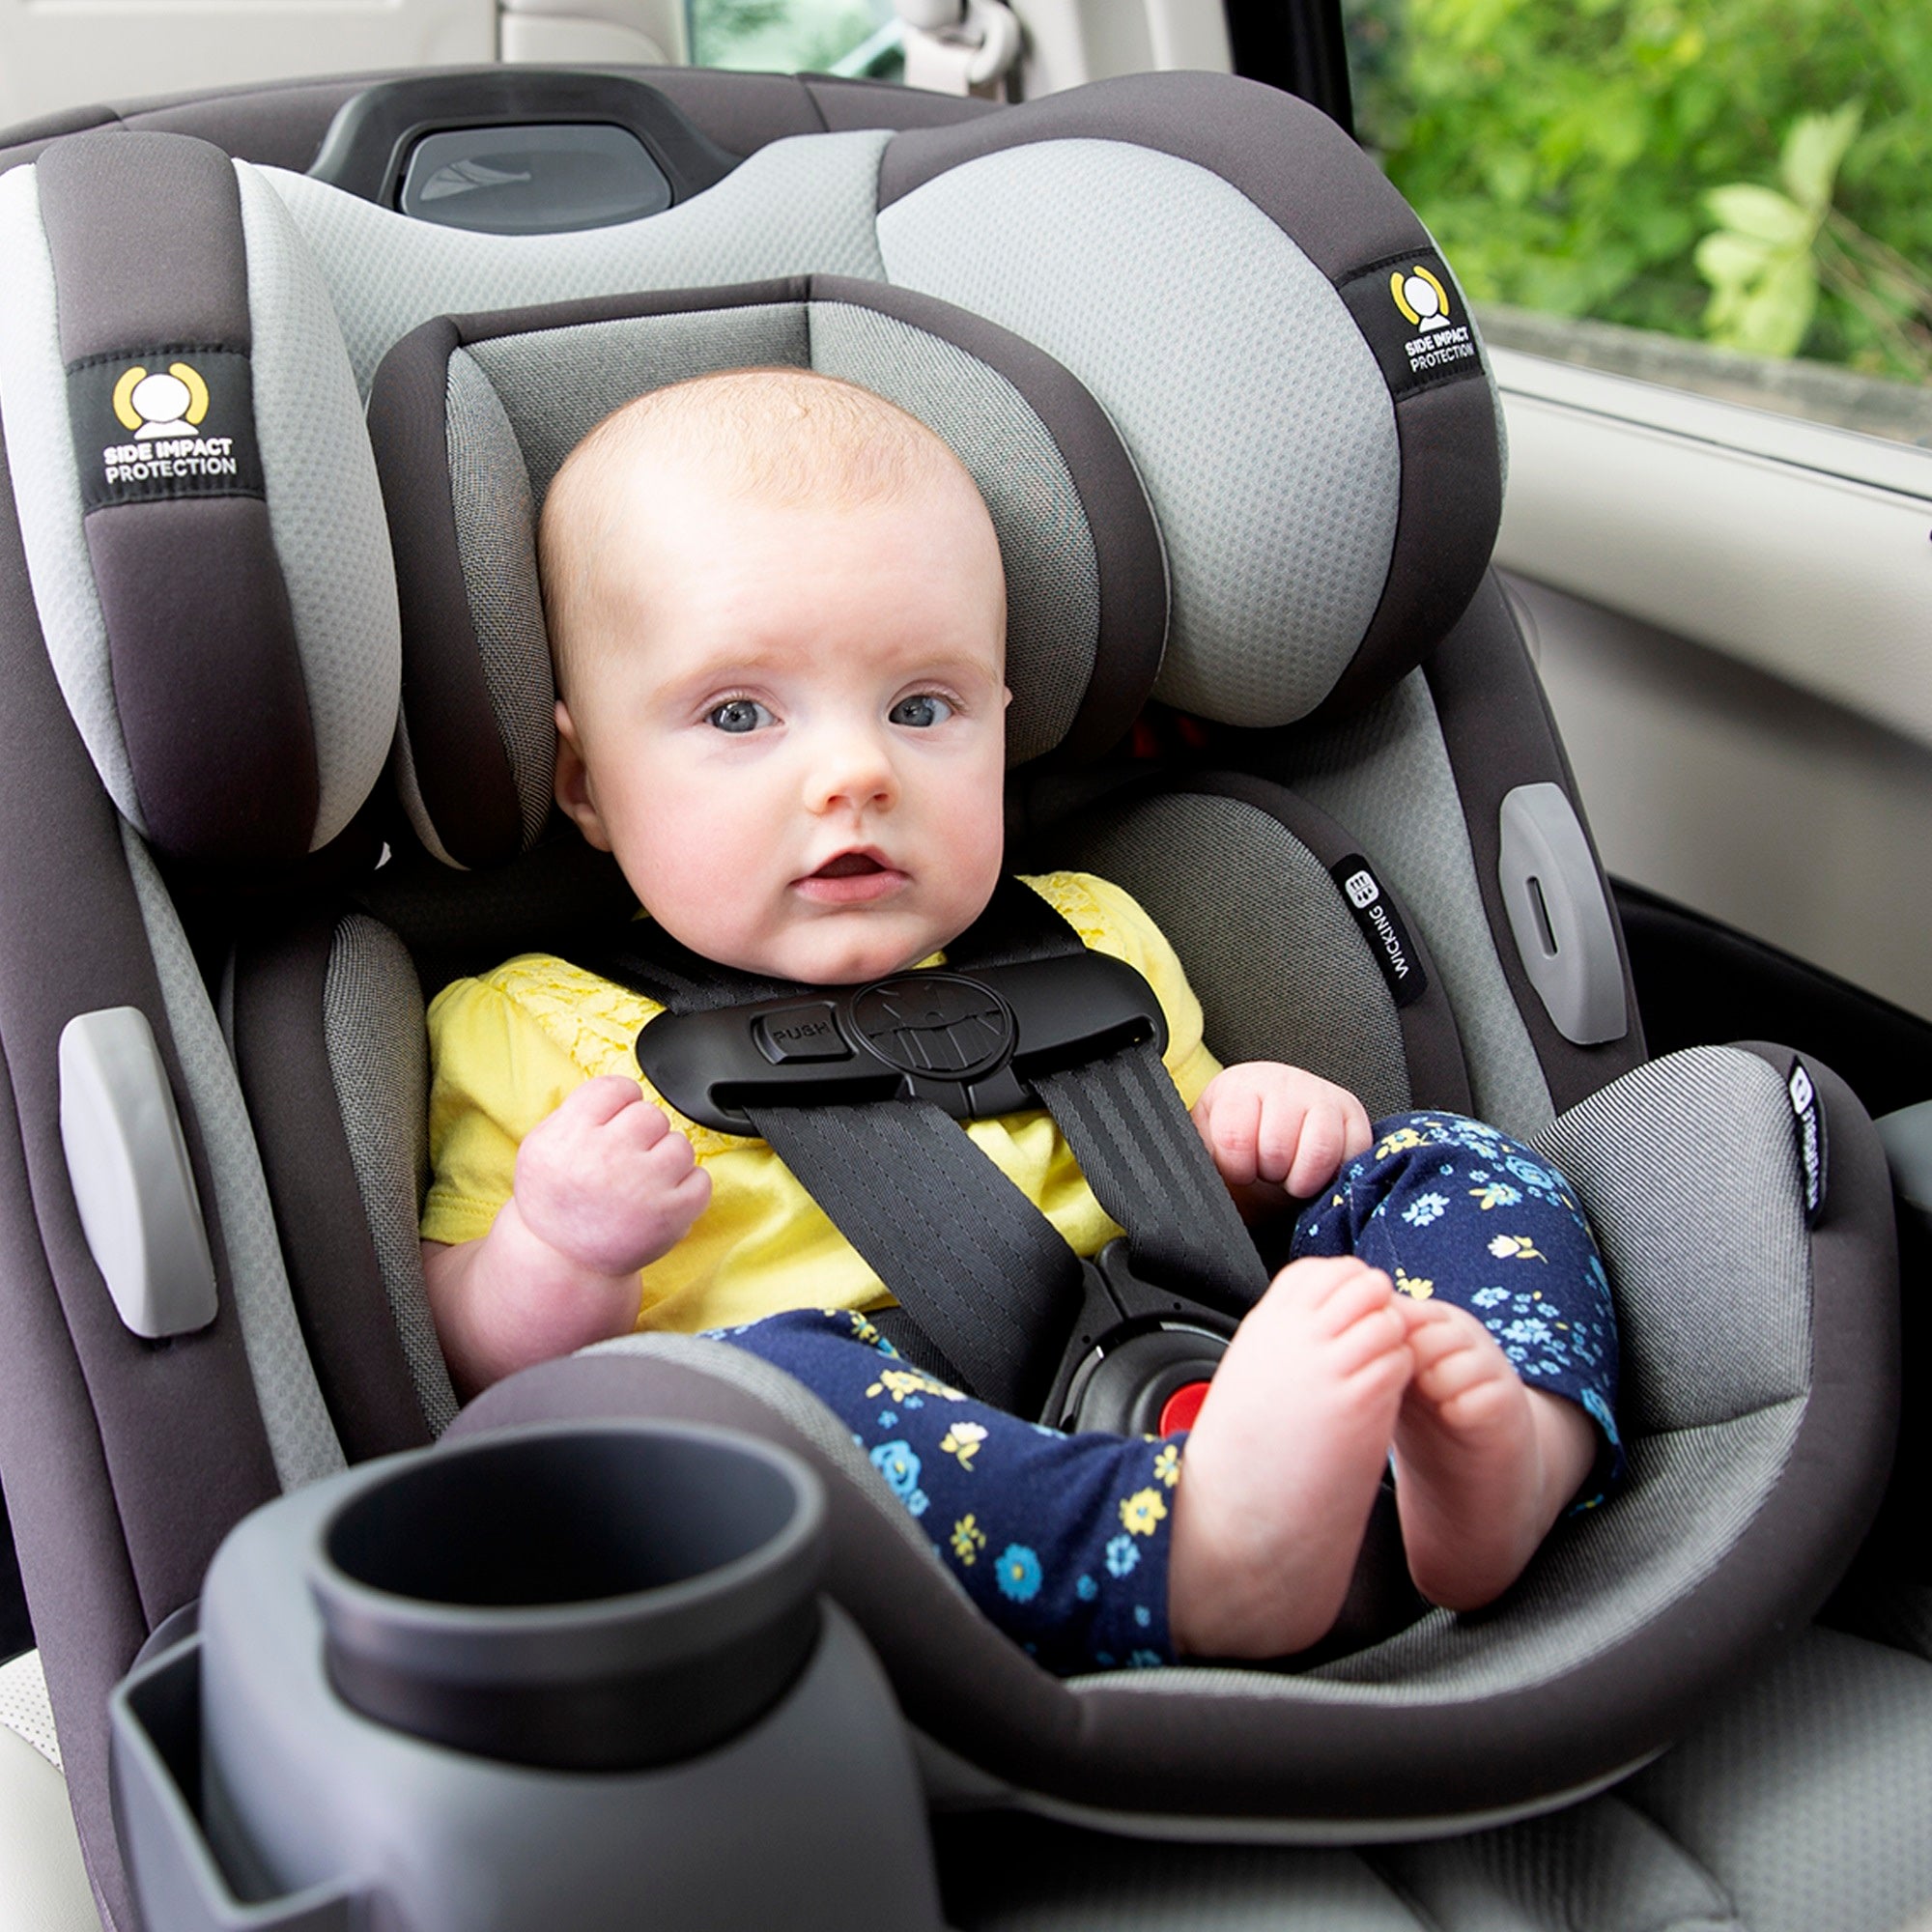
(206, 670)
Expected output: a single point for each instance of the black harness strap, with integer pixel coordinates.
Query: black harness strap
(986, 1283)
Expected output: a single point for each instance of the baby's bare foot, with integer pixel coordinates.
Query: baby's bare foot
(1483, 1465)
(1284, 1463)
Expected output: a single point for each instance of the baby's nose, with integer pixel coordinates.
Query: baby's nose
(855, 770)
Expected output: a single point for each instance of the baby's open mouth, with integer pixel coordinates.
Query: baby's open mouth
(852, 878)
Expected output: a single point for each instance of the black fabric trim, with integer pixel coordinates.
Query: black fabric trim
(1448, 510)
(1499, 734)
(534, 318)
(845, 106)
(1182, 1755)
(281, 1056)
(124, 1461)
(145, 231)
(462, 767)
(208, 678)
(1438, 1074)
(1288, 157)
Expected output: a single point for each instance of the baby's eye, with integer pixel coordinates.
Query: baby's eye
(921, 712)
(739, 714)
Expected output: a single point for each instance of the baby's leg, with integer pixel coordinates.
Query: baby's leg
(1511, 1406)
(1284, 1463)
(1062, 1540)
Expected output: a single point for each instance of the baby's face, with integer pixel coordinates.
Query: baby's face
(788, 725)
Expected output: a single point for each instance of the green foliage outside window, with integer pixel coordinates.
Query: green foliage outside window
(1757, 173)
(781, 36)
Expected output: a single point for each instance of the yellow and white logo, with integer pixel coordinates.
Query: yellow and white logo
(1421, 297)
(161, 404)
(165, 410)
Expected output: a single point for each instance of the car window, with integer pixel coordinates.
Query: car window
(847, 37)
(1727, 195)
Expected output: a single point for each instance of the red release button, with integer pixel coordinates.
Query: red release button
(1180, 1409)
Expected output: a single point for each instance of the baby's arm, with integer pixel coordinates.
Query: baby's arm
(604, 1187)
(1278, 1134)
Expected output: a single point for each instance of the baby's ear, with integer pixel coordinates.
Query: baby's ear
(572, 787)
(1006, 697)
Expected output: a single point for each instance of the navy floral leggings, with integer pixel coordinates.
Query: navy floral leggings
(1063, 1540)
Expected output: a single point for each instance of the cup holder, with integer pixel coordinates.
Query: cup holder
(596, 1597)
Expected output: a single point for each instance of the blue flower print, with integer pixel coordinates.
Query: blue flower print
(887, 1418)
(1146, 1660)
(1018, 1571)
(1122, 1555)
(1487, 1298)
(916, 1503)
(913, 1402)
(1599, 1409)
(1142, 1615)
(1085, 1589)
(1425, 1208)
(899, 1465)
(1529, 1328)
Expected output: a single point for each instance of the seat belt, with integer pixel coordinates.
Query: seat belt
(860, 1091)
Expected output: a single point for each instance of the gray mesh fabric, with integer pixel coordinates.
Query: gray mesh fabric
(25, 1709)
(378, 1062)
(1277, 489)
(558, 384)
(1327, 1008)
(1053, 579)
(1680, 1254)
(797, 207)
(1384, 773)
(324, 509)
(302, 1439)
(46, 488)
(490, 491)
(1808, 1798)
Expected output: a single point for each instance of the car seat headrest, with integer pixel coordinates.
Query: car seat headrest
(1278, 341)
(472, 417)
(196, 492)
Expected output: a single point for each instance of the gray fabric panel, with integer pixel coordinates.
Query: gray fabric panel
(1322, 1004)
(379, 1060)
(1596, 1868)
(1807, 1797)
(302, 1439)
(326, 508)
(1053, 577)
(558, 384)
(1600, 1580)
(46, 488)
(1016, 1874)
(496, 536)
(1384, 774)
(793, 208)
(1258, 415)
(1684, 1254)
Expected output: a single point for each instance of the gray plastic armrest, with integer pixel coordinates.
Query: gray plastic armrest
(132, 1183)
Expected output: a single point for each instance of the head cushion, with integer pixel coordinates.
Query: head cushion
(196, 496)
(471, 418)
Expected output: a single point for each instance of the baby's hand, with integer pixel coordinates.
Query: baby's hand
(606, 1182)
(1277, 1134)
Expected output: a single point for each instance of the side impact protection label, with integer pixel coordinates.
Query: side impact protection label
(1413, 316)
(171, 423)
(1382, 928)
(1807, 1120)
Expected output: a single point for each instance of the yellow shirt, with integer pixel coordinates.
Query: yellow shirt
(506, 1048)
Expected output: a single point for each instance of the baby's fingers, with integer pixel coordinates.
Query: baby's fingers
(1229, 1116)
(601, 1099)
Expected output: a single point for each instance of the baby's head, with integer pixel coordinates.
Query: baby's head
(778, 616)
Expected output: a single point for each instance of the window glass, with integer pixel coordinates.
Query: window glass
(1726, 194)
(849, 36)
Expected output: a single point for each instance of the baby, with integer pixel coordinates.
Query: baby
(778, 613)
